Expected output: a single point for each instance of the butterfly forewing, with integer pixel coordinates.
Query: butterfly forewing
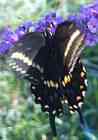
(21, 56)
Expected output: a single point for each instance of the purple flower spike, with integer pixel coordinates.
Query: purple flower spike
(87, 21)
(22, 29)
(49, 22)
(93, 25)
(9, 35)
(91, 41)
(4, 47)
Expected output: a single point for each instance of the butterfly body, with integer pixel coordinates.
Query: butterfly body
(53, 67)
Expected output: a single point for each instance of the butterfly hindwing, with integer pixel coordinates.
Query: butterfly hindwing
(76, 90)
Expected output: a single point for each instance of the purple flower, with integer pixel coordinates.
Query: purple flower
(22, 29)
(8, 38)
(92, 25)
(87, 21)
(4, 47)
(91, 41)
(9, 35)
(49, 22)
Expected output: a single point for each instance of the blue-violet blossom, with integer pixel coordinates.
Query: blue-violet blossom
(86, 19)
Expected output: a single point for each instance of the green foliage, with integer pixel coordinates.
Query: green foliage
(20, 117)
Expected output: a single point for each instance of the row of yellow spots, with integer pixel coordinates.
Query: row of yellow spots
(73, 108)
(51, 83)
(54, 84)
(78, 98)
(25, 59)
(82, 74)
(67, 79)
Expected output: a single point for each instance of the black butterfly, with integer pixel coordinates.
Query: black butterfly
(53, 66)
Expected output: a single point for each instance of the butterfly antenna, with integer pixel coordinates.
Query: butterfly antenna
(52, 124)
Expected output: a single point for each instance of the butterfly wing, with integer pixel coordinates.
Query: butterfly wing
(54, 71)
(75, 92)
(28, 58)
(21, 56)
(69, 40)
(47, 92)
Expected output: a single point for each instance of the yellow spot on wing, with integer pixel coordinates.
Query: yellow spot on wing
(81, 86)
(80, 104)
(84, 69)
(86, 82)
(56, 85)
(63, 83)
(54, 112)
(83, 93)
(75, 106)
(72, 112)
(39, 98)
(68, 78)
(65, 80)
(46, 106)
(48, 83)
(66, 101)
(78, 98)
(62, 102)
(51, 83)
(82, 74)
(70, 107)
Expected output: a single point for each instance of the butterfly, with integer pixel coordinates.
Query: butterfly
(52, 64)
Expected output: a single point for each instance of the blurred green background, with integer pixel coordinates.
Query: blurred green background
(20, 117)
